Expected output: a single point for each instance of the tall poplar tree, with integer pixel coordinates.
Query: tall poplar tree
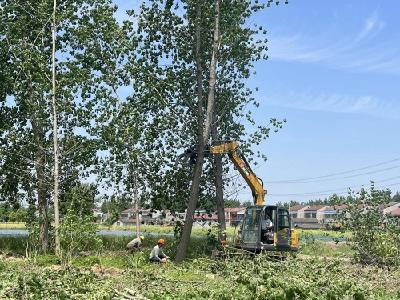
(169, 43)
(87, 53)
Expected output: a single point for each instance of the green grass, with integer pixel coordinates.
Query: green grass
(14, 244)
(327, 249)
(200, 244)
(324, 233)
(160, 229)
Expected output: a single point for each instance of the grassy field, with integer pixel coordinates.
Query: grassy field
(160, 229)
(143, 228)
(324, 233)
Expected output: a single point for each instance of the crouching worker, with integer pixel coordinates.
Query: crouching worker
(157, 255)
(135, 244)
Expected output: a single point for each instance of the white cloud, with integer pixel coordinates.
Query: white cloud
(311, 101)
(372, 26)
(358, 52)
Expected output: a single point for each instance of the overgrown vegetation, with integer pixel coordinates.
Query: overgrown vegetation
(105, 277)
(321, 270)
(375, 236)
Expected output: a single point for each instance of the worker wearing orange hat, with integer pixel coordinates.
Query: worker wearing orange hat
(157, 255)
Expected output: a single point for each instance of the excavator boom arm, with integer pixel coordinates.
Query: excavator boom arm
(232, 149)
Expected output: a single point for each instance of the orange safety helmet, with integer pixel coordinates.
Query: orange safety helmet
(161, 242)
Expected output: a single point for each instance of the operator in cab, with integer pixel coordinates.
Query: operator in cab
(267, 230)
(157, 255)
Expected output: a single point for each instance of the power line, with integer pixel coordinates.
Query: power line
(309, 179)
(326, 178)
(339, 178)
(328, 192)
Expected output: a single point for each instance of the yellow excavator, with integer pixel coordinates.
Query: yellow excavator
(263, 227)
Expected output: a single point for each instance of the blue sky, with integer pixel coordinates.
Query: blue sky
(333, 72)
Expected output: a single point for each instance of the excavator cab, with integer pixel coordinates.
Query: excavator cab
(266, 227)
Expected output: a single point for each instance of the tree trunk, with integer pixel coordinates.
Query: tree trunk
(55, 138)
(194, 191)
(132, 185)
(199, 73)
(217, 164)
(136, 199)
(37, 129)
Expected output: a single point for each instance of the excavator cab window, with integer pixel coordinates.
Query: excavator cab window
(283, 228)
(251, 225)
(283, 220)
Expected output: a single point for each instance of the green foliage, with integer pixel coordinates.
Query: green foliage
(49, 283)
(331, 200)
(213, 235)
(34, 244)
(12, 214)
(114, 273)
(178, 227)
(13, 244)
(113, 208)
(314, 279)
(80, 197)
(88, 47)
(146, 131)
(78, 233)
(238, 278)
(19, 215)
(396, 197)
(231, 203)
(247, 204)
(309, 245)
(46, 260)
(375, 236)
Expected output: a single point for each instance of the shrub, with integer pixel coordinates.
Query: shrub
(375, 236)
(78, 233)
